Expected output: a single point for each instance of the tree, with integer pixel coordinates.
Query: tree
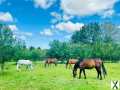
(89, 34)
(58, 50)
(109, 31)
(6, 44)
(37, 54)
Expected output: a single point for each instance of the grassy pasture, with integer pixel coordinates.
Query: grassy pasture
(53, 78)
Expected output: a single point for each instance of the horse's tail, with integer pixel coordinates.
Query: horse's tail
(104, 70)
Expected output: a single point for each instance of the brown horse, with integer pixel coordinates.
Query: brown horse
(51, 61)
(70, 62)
(89, 64)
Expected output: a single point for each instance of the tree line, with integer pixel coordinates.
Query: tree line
(93, 40)
(13, 49)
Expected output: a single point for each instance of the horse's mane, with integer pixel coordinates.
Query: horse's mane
(77, 64)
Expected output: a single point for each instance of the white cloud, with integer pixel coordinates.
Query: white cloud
(60, 17)
(18, 33)
(86, 7)
(67, 17)
(69, 26)
(108, 13)
(56, 15)
(47, 32)
(6, 17)
(44, 3)
(22, 35)
(13, 27)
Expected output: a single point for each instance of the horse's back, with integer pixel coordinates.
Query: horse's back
(24, 62)
(72, 61)
(91, 63)
(87, 63)
(51, 60)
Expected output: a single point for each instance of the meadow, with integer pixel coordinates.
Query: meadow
(55, 78)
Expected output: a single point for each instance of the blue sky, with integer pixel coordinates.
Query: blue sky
(40, 21)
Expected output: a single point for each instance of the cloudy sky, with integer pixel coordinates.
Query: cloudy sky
(40, 21)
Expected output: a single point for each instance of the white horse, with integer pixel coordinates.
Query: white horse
(28, 63)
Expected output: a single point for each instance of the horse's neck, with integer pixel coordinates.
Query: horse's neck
(76, 66)
(67, 61)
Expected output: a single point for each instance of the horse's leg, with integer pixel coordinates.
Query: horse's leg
(80, 73)
(84, 73)
(66, 66)
(45, 65)
(70, 66)
(49, 65)
(100, 73)
(97, 72)
(27, 66)
(56, 64)
(31, 67)
(17, 66)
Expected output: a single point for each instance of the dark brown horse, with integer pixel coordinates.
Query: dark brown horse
(89, 64)
(51, 61)
(70, 62)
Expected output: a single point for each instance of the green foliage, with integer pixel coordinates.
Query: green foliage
(109, 32)
(89, 34)
(29, 53)
(92, 41)
(12, 48)
(58, 50)
(6, 44)
(37, 54)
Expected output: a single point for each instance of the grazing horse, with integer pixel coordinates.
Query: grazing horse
(51, 61)
(28, 63)
(89, 64)
(70, 62)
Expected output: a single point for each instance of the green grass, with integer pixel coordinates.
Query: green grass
(53, 78)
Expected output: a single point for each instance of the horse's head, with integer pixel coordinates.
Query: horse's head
(74, 72)
(76, 66)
